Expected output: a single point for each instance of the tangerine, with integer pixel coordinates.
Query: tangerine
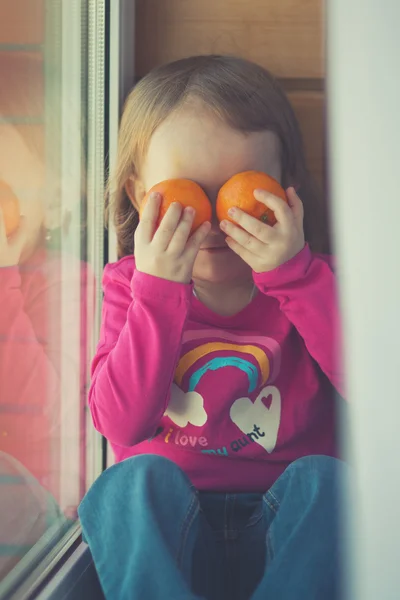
(238, 192)
(187, 193)
(9, 205)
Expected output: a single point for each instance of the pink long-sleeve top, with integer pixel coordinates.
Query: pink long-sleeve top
(231, 400)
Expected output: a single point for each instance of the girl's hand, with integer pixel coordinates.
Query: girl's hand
(11, 248)
(168, 251)
(261, 246)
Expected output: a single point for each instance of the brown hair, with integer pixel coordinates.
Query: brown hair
(245, 95)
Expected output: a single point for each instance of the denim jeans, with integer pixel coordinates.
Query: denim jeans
(153, 535)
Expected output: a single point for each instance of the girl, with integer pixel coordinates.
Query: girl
(214, 375)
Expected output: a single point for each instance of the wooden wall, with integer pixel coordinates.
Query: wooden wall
(285, 36)
(22, 25)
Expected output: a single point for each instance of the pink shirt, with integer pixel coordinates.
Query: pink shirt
(231, 400)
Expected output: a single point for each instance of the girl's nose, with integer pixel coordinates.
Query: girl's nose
(214, 220)
(215, 228)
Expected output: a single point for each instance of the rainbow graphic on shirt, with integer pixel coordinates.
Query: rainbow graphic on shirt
(243, 353)
(258, 419)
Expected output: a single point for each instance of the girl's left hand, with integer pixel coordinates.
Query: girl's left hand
(262, 247)
(11, 248)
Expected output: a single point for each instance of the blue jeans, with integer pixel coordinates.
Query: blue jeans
(153, 535)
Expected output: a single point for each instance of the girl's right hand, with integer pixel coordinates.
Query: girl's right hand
(168, 251)
(11, 248)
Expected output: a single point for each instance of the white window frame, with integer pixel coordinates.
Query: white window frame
(122, 70)
(95, 198)
(71, 175)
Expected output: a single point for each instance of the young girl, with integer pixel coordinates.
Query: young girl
(215, 373)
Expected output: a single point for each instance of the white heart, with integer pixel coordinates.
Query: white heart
(247, 414)
(184, 408)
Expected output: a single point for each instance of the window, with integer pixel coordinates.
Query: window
(52, 149)
(65, 66)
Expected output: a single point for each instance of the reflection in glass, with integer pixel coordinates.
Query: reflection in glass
(46, 287)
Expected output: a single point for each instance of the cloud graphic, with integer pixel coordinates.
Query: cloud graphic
(184, 408)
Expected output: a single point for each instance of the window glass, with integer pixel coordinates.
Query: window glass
(50, 231)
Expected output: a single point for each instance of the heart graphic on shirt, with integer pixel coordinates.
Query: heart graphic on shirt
(184, 408)
(264, 413)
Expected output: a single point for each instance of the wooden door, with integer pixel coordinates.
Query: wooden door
(286, 37)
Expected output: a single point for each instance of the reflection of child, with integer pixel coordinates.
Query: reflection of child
(215, 370)
(42, 341)
(31, 354)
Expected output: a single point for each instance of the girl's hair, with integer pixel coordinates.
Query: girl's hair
(244, 95)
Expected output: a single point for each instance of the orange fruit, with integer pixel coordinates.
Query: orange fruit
(238, 192)
(9, 205)
(187, 193)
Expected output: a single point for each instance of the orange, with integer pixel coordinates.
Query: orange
(9, 205)
(187, 193)
(238, 192)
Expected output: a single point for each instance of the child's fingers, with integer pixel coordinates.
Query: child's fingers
(196, 239)
(149, 218)
(250, 241)
(295, 204)
(282, 210)
(18, 240)
(166, 229)
(182, 231)
(3, 235)
(12, 247)
(248, 225)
